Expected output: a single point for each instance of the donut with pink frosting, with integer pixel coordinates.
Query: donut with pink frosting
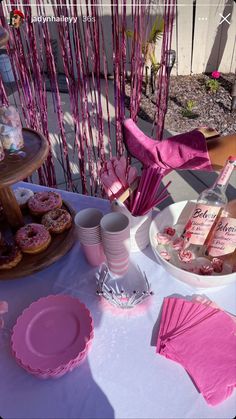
(43, 202)
(33, 238)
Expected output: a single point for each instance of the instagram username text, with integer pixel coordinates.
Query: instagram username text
(44, 19)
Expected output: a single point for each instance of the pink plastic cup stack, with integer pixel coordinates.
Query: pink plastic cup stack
(89, 234)
(115, 232)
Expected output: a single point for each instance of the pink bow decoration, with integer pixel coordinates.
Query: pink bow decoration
(117, 176)
(181, 152)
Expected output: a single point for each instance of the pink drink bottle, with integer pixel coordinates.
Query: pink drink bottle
(207, 209)
(222, 241)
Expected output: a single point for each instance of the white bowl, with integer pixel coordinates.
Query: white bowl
(168, 217)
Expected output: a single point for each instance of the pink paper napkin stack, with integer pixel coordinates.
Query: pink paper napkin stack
(202, 338)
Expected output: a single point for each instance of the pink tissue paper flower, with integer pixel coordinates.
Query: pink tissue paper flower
(170, 231)
(215, 74)
(178, 243)
(163, 238)
(165, 255)
(205, 270)
(185, 256)
(217, 265)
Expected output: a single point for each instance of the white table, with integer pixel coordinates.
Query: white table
(122, 377)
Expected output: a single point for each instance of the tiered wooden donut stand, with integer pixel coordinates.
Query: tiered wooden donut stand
(15, 168)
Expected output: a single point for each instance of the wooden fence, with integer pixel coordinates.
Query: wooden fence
(202, 43)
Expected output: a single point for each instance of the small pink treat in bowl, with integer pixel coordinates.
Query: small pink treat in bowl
(163, 238)
(165, 255)
(206, 270)
(170, 231)
(185, 256)
(177, 244)
(217, 265)
(189, 267)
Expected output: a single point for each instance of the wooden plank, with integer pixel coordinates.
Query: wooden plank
(204, 34)
(233, 60)
(184, 25)
(219, 51)
(213, 43)
(14, 168)
(228, 60)
(174, 46)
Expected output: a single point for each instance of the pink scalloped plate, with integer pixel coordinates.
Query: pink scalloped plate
(57, 373)
(51, 334)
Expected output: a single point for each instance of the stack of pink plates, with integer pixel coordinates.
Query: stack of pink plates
(52, 336)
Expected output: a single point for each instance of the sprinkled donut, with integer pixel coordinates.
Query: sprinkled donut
(57, 221)
(43, 202)
(10, 255)
(23, 195)
(33, 238)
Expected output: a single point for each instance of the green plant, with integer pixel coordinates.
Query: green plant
(188, 110)
(148, 48)
(190, 105)
(213, 85)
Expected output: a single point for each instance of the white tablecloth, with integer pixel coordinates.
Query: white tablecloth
(122, 377)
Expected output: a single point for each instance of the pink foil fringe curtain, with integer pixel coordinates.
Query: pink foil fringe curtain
(162, 87)
(84, 53)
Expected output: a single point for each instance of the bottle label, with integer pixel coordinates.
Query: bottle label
(223, 241)
(225, 174)
(200, 223)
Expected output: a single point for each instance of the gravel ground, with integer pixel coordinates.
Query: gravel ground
(210, 109)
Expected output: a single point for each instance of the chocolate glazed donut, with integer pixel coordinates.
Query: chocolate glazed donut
(10, 255)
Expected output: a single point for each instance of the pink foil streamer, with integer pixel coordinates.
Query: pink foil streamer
(162, 90)
(84, 59)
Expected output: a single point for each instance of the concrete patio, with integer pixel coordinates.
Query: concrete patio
(185, 184)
